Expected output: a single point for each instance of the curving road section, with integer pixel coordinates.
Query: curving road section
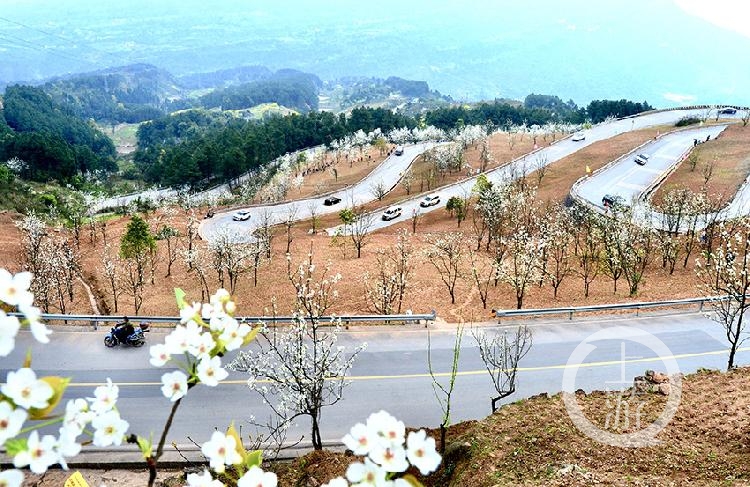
(391, 374)
(387, 173)
(547, 155)
(629, 180)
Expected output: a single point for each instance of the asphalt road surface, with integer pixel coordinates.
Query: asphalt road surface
(391, 374)
(629, 180)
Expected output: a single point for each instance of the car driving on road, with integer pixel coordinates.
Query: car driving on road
(241, 216)
(391, 213)
(399, 150)
(613, 201)
(429, 200)
(728, 111)
(331, 200)
(578, 136)
(641, 159)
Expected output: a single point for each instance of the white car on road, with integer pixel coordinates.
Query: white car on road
(579, 136)
(391, 213)
(429, 200)
(241, 216)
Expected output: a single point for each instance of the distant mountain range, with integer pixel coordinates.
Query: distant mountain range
(141, 91)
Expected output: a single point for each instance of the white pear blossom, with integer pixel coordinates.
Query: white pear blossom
(66, 446)
(203, 345)
(360, 439)
(9, 326)
(221, 450)
(11, 421)
(392, 459)
(159, 355)
(14, 290)
(77, 415)
(38, 455)
(389, 430)
(256, 477)
(203, 480)
(11, 478)
(105, 397)
(110, 429)
(190, 312)
(174, 385)
(233, 334)
(25, 390)
(421, 452)
(178, 342)
(366, 474)
(210, 371)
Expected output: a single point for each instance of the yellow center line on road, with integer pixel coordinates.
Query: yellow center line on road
(607, 363)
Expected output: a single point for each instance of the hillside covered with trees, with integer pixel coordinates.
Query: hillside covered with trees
(47, 140)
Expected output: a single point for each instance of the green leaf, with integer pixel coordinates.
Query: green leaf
(254, 458)
(14, 446)
(179, 294)
(58, 384)
(146, 447)
(232, 431)
(251, 336)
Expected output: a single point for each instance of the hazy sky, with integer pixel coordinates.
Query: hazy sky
(666, 51)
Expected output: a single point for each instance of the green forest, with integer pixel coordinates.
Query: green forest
(53, 143)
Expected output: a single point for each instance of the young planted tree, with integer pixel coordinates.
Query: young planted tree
(444, 392)
(501, 354)
(446, 253)
(588, 246)
(483, 273)
(456, 206)
(169, 235)
(289, 220)
(385, 289)
(232, 256)
(111, 270)
(137, 247)
(359, 230)
(378, 189)
(300, 370)
(521, 267)
(725, 278)
(559, 240)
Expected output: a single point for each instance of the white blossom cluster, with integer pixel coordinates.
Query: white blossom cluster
(388, 452)
(205, 332)
(24, 397)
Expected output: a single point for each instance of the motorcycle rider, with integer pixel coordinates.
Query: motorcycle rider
(124, 329)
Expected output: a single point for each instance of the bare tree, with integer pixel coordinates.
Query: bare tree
(291, 217)
(483, 273)
(198, 261)
(407, 181)
(725, 278)
(313, 208)
(540, 166)
(133, 282)
(416, 215)
(707, 171)
(111, 269)
(559, 241)
(378, 189)
(264, 232)
(384, 291)
(501, 354)
(446, 253)
(359, 230)
(745, 117)
(588, 246)
(443, 393)
(301, 369)
(233, 256)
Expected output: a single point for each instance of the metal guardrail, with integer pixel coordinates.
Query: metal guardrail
(499, 313)
(94, 320)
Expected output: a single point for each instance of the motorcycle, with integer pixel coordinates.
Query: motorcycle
(135, 339)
